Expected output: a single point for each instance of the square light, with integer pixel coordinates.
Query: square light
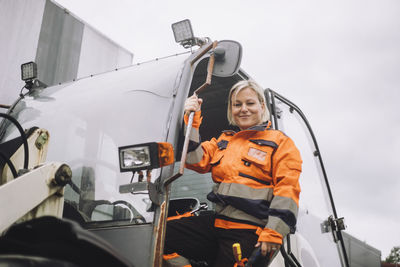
(182, 30)
(145, 156)
(135, 157)
(138, 157)
(28, 71)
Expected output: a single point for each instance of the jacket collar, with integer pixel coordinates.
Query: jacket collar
(260, 127)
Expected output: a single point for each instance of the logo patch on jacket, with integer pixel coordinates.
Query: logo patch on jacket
(258, 154)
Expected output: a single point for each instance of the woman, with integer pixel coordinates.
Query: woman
(256, 172)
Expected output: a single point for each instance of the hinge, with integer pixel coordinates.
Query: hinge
(333, 225)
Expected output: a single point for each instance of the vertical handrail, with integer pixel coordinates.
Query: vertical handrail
(210, 69)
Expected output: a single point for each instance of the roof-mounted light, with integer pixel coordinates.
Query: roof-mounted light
(183, 34)
(182, 30)
(29, 76)
(28, 71)
(145, 156)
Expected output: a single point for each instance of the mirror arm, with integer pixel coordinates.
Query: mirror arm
(210, 64)
(210, 69)
(202, 53)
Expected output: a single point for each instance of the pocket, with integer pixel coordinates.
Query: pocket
(259, 155)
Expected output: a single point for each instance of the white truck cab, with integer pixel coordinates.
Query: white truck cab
(110, 130)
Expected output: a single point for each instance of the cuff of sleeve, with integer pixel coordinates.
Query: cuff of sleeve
(271, 236)
(197, 119)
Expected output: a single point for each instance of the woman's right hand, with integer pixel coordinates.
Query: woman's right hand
(193, 103)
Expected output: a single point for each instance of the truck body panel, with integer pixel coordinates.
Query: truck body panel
(63, 46)
(360, 253)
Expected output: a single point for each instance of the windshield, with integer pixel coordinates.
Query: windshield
(88, 120)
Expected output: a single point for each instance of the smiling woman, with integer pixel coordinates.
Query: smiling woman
(256, 190)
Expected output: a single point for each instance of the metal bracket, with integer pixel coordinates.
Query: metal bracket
(154, 192)
(203, 206)
(333, 225)
(132, 187)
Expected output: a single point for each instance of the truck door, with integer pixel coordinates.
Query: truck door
(318, 238)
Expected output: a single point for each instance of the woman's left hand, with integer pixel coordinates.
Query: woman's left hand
(267, 247)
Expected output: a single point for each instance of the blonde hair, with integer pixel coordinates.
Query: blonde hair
(239, 86)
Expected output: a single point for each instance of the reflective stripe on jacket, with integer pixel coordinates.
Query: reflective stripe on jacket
(256, 172)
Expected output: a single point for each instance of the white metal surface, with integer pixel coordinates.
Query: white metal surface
(64, 46)
(21, 195)
(113, 56)
(20, 23)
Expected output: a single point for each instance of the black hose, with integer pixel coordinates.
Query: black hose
(10, 164)
(23, 135)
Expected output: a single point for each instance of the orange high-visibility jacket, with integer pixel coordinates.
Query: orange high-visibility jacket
(256, 172)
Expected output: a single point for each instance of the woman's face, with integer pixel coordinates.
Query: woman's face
(246, 108)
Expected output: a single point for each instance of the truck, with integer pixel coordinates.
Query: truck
(92, 169)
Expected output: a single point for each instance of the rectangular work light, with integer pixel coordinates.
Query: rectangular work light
(145, 156)
(28, 71)
(182, 30)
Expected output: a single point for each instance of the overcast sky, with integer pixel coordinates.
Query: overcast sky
(339, 61)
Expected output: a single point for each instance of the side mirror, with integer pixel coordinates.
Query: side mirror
(228, 55)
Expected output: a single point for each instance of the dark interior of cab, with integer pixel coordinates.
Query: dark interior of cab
(215, 102)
